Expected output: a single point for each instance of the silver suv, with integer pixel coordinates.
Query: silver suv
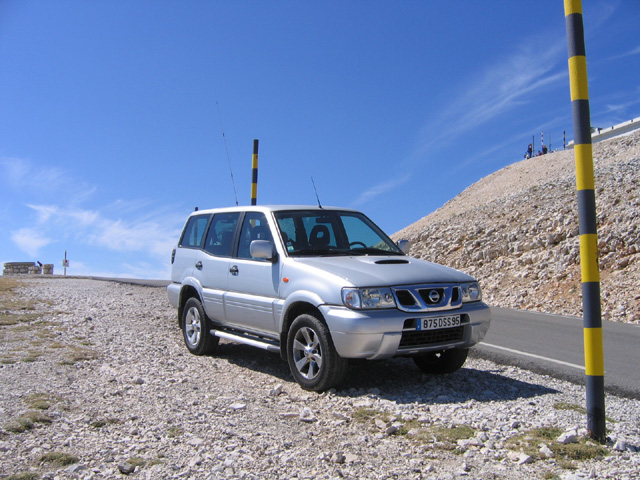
(319, 286)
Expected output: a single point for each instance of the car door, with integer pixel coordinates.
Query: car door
(184, 255)
(252, 299)
(212, 263)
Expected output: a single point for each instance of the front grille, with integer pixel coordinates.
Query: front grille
(428, 298)
(427, 338)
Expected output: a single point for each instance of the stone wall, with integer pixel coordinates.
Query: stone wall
(27, 268)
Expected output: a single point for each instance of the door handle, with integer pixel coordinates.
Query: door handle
(234, 270)
(199, 265)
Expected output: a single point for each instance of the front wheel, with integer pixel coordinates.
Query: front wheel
(447, 361)
(312, 357)
(196, 329)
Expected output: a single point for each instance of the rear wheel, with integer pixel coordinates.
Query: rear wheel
(196, 329)
(446, 361)
(312, 358)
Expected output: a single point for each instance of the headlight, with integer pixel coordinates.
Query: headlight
(368, 298)
(471, 292)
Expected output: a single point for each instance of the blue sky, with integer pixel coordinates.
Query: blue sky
(112, 112)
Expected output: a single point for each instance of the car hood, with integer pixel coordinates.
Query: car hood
(370, 271)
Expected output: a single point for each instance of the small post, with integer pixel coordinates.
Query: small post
(65, 263)
(254, 173)
(583, 148)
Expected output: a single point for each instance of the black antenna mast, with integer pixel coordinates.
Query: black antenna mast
(315, 190)
(227, 150)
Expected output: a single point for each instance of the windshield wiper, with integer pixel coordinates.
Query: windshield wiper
(331, 252)
(320, 252)
(373, 251)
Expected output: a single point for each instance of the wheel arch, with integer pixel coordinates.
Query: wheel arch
(187, 292)
(294, 310)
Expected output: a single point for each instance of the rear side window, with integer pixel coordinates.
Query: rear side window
(194, 231)
(220, 236)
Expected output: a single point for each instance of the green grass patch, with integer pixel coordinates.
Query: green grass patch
(451, 435)
(365, 414)
(571, 407)
(78, 354)
(529, 443)
(59, 458)
(550, 476)
(442, 434)
(175, 432)
(19, 425)
(577, 408)
(8, 318)
(42, 401)
(27, 420)
(105, 421)
(23, 476)
(155, 461)
(37, 416)
(137, 462)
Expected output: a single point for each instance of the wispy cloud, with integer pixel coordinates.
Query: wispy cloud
(496, 90)
(30, 241)
(152, 233)
(23, 175)
(380, 189)
(629, 53)
(500, 88)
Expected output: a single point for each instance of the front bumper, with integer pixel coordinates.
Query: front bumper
(376, 334)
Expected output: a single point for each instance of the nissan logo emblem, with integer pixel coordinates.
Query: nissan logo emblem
(434, 296)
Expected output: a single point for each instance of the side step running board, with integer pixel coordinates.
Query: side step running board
(254, 342)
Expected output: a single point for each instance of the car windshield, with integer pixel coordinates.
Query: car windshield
(332, 232)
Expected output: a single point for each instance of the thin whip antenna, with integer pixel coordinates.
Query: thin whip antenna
(315, 190)
(233, 182)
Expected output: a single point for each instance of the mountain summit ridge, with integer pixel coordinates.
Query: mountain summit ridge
(516, 230)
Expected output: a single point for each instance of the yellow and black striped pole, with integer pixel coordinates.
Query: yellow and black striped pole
(254, 173)
(593, 349)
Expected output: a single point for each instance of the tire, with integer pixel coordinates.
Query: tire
(312, 357)
(196, 329)
(447, 361)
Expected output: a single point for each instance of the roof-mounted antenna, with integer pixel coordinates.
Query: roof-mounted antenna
(227, 150)
(315, 190)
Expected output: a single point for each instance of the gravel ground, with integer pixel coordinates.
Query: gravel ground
(97, 376)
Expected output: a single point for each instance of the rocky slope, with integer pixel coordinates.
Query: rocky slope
(517, 232)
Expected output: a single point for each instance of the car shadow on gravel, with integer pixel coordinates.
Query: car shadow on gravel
(398, 379)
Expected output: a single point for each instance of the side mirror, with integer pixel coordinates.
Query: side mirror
(263, 249)
(405, 246)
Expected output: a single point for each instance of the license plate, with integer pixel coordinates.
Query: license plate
(434, 323)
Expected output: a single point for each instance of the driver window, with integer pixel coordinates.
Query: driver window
(254, 227)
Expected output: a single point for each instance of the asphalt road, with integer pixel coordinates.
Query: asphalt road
(547, 344)
(553, 345)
